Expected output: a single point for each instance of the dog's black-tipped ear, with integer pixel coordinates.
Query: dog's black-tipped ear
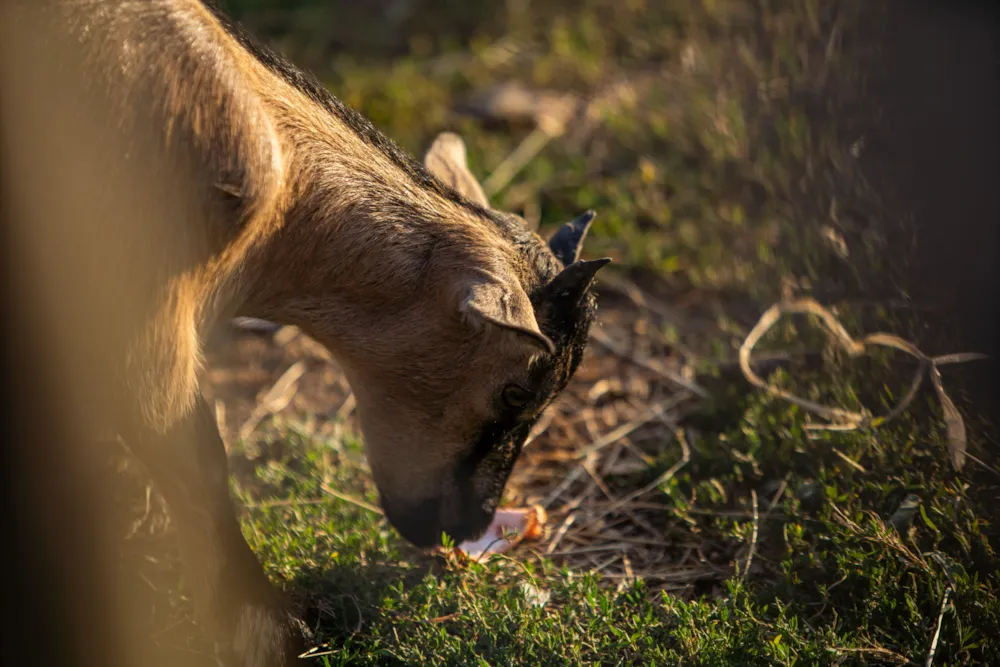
(573, 282)
(567, 242)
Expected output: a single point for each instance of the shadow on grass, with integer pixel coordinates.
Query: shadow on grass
(341, 601)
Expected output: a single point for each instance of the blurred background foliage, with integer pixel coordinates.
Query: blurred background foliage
(712, 136)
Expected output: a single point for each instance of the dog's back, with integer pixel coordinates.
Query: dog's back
(113, 253)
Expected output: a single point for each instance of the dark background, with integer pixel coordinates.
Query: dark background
(935, 153)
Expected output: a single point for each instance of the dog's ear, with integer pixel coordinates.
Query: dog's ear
(486, 302)
(567, 241)
(445, 160)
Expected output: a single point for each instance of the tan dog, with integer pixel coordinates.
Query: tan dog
(168, 174)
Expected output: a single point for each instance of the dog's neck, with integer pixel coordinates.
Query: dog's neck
(375, 238)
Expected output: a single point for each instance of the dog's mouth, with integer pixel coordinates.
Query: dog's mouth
(424, 526)
(472, 528)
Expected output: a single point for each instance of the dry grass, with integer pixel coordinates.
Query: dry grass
(591, 462)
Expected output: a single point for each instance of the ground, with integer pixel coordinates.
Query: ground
(693, 518)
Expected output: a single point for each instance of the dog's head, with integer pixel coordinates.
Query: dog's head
(446, 412)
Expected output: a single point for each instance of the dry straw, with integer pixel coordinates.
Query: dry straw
(592, 463)
(839, 418)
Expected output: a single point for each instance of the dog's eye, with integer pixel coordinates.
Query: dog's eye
(515, 396)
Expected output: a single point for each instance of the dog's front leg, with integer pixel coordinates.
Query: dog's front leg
(234, 600)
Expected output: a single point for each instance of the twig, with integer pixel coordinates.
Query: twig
(777, 496)
(595, 549)
(145, 515)
(667, 475)
(276, 398)
(598, 482)
(318, 652)
(350, 499)
(766, 322)
(846, 420)
(616, 349)
(937, 631)
(656, 412)
(616, 434)
(629, 574)
(563, 485)
(513, 163)
(360, 623)
(560, 533)
(958, 358)
(753, 537)
(641, 541)
(849, 461)
(446, 617)
(953, 422)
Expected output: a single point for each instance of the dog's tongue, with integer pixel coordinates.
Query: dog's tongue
(508, 528)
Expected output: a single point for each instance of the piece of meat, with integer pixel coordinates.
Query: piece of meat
(509, 526)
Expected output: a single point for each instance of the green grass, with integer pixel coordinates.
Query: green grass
(714, 186)
(836, 582)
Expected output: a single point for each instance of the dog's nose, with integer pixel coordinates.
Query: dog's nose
(423, 523)
(419, 524)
